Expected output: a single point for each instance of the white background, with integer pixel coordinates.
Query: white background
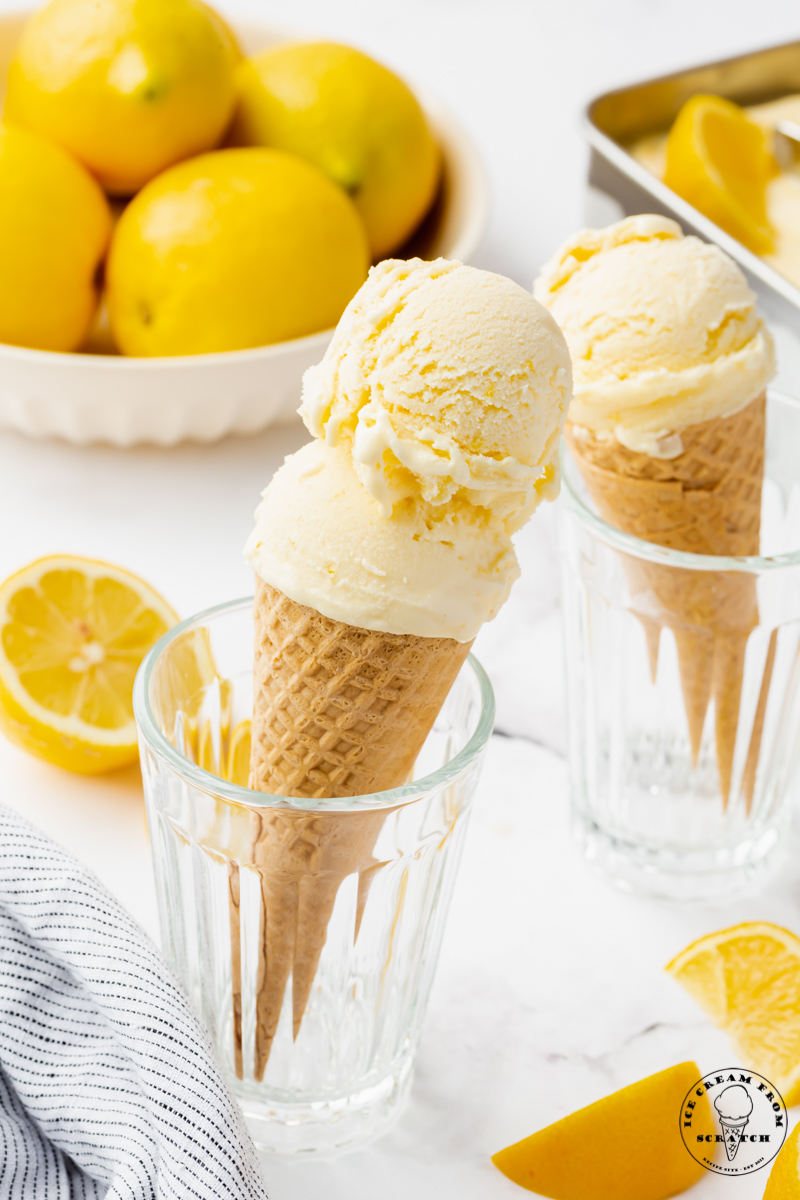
(551, 991)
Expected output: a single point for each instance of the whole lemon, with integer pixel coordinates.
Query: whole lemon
(355, 120)
(233, 249)
(54, 228)
(128, 86)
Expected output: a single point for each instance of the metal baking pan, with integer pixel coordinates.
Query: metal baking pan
(620, 186)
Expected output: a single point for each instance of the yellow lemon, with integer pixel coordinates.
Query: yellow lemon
(234, 249)
(178, 688)
(627, 1146)
(238, 761)
(784, 1178)
(747, 979)
(718, 160)
(351, 117)
(72, 634)
(224, 751)
(54, 228)
(128, 86)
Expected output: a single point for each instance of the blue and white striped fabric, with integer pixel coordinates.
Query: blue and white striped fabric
(108, 1082)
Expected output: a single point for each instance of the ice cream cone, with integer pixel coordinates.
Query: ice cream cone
(734, 1107)
(380, 548)
(706, 500)
(732, 1134)
(338, 711)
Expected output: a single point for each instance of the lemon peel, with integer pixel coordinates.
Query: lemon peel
(627, 1146)
(718, 160)
(747, 979)
(72, 634)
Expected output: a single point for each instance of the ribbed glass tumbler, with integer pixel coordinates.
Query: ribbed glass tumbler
(306, 932)
(682, 683)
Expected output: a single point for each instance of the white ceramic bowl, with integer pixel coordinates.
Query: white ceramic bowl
(87, 398)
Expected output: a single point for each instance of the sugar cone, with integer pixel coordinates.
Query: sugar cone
(338, 711)
(707, 500)
(302, 859)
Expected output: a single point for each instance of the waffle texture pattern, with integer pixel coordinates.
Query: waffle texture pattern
(705, 501)
(340, 711)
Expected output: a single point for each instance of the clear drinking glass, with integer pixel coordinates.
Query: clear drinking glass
(654, 816)
(377, 896)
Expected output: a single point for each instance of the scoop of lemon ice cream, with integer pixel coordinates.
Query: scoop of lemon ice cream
(663, 331)
(436, 415)
(321, 539)
(446, 382)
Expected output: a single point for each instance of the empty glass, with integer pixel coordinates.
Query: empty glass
(681, 782)
(306, 932)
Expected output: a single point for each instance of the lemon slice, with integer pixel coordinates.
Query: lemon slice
(226, 755)
(718, 160)
(784, 1178)
(627, 1146)
(748, 981)
(238, 766)
(72, 634)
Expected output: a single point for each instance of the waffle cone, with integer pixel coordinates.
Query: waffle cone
(732, 1131)
(338, 711)
(707, 500)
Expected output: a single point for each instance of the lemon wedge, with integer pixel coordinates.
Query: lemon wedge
(224, 752)
(784, 1178)
(238, 765)
(627, 1146)
(718, 160)
(72, 634)
(747, 979)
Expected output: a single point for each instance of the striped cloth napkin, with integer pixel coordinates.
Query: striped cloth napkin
(108, 1082)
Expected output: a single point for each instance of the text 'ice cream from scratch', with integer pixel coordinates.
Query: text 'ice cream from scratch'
(670, 362)
(380, 548)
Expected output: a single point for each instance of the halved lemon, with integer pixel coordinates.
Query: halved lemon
(718, 160)
(747, 979)
(72, 634)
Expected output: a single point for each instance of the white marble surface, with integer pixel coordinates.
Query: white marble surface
(551, 990)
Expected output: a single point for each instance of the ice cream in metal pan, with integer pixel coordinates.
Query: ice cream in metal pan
(617, 121)
(780, 120)
(670, 361)
(380, 549)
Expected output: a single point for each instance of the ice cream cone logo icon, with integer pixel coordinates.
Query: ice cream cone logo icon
(734, 1107)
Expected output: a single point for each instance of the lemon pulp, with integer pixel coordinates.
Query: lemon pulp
(73, 632)
(718, 160)
(747, 979)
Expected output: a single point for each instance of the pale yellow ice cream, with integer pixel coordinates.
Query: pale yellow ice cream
(446, 382)
(663, 331)
(783, 191)
(322, 540)
(436, 413)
